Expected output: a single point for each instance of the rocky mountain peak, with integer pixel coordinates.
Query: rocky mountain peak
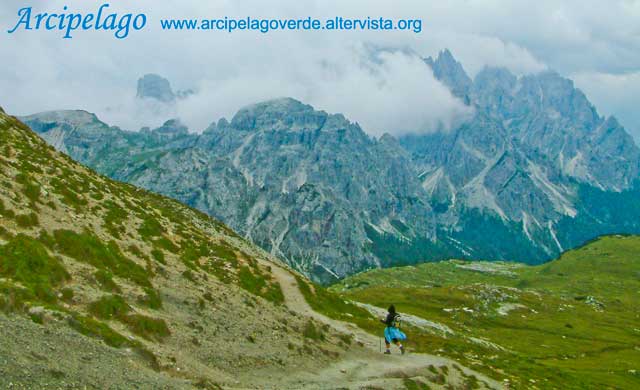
(490, 77)
(444, 61)
(171, 129)
(388, 139)
(448, 70)
(279, 114)
(153, 86)
(72, 117)
(172, 126)
(542, 95)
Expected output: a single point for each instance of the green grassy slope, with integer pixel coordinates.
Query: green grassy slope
(135, 271)
(571, 323)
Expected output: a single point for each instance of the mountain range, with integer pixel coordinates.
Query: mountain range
(535, 170)
(106, 285)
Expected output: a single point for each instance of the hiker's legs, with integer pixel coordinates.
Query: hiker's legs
(399, 344)
(387, 341)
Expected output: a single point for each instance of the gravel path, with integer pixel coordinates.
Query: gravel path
(365, 366)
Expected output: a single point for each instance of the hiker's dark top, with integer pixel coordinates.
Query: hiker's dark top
(390, 319)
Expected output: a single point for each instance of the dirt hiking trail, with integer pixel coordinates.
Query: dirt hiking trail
(367, 367)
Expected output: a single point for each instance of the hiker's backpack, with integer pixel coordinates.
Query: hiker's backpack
(397, 321)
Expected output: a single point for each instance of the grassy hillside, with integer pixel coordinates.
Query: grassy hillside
(106, 285)
(571, 323)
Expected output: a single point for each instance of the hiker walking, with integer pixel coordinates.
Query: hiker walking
(392, 333)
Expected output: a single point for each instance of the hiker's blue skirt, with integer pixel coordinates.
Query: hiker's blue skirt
(392, 334)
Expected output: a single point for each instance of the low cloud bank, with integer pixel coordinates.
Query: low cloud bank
(383, 90)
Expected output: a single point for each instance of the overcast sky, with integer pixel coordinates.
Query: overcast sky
(596, 43)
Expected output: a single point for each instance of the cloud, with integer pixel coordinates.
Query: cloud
(569, 35)
(332, 70)
(394, 93)
(614, 94)
(477, 51)
(385, 91)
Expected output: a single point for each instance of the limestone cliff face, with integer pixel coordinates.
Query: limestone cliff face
(534, 147)
(303, 184)
(535, 171)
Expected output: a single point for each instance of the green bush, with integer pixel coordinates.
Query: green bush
(67, 294)
(26, 166)
(166, 244)
(251, 282)
(6, 213)
(224, 251)
(191, 255)
(411, 384)
(312, 332)
(150, 228)
(97, 195)
(88, 248)
(105, 280)
(93, 328)
(147, 327)
(13, 298)
(260, 284)
(151, 299)
(38, 318)
(69, 197)
(46, 239)
(27, 220)
(109, 307)
(346, 338)
(27, 261)
(333, 306)
(22, 178)
(113, 218)
(136, 251)
(31, 190)
(5, 233)
(158, 256)
(274, 293)
(189, 275)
